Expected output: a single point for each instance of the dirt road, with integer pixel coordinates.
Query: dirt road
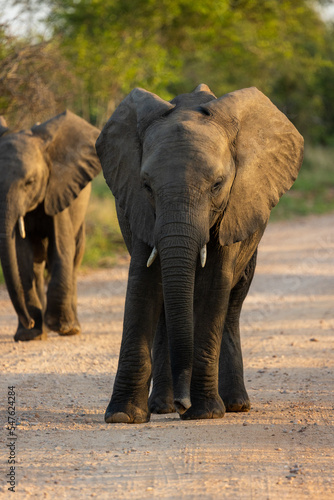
(281, 449)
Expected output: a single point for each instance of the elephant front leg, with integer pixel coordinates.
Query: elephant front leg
(206, 402)
(32, 281)
(210, 307)
(231, 376)
(129, 401)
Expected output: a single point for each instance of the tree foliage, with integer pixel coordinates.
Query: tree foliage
(31, 76)
(283, 47)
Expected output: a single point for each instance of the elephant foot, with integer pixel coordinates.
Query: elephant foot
(63, 328)
(125, 414)
(68, 329)
(205, 409)
(24, 335)
(237, 402)
(158, 404)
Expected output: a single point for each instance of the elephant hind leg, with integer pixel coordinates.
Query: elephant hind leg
(231, 378)
(65, 254)
(39, 268)
(79, 253)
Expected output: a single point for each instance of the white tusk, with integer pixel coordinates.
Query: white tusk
(21, 227)
(203, 256)
(152, 257)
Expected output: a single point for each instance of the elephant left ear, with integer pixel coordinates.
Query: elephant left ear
(69, 146)
(268, 153)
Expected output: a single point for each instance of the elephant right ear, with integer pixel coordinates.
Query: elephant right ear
(119, 149)
(3, 126)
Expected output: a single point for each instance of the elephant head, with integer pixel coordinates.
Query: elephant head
(190, 168)
(49, 164)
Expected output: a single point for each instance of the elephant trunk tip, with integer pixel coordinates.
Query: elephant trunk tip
(182, 404)
(181, 390)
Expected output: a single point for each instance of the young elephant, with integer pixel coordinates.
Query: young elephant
(194, 180)
(44, 192)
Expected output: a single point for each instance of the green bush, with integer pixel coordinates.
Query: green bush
(104, 241)
(313, 191)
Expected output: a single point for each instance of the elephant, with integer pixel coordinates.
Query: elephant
(44, 193)
(194, 181)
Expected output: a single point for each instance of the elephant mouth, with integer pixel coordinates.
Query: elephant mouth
(154, 254)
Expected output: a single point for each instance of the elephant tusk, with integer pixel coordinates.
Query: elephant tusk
(152, 257)
(21, 227)
(203, 256)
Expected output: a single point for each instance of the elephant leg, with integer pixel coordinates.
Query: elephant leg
(143, 305)
(80, 250)
(39, 268)
(161, 399)
(31, 276)
(59, 315)
(206, 402)
(231, 377)
(213, 285)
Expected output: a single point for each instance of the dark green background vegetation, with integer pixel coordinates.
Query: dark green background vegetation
(86, 55)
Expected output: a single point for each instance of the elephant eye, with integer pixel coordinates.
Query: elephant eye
(148, 188)
(30, 181)
(217, 186)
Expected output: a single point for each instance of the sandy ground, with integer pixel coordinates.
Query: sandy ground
(281, 449)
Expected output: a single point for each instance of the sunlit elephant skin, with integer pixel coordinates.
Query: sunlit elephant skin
(194, 180)
(45, 188)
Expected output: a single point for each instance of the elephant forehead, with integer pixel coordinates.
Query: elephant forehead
(19, 151)
(190, 135)
(184, 144)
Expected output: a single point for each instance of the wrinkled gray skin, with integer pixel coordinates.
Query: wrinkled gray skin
(44, 192)
(192, 172)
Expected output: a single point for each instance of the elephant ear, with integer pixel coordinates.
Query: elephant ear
(119, 149)
(268, 154)
(3, 126)
(69, 147)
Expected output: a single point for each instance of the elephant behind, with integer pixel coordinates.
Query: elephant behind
(194, 180)
(46, 175)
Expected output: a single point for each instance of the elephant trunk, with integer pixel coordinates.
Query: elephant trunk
(179, 254)
(11, 271)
